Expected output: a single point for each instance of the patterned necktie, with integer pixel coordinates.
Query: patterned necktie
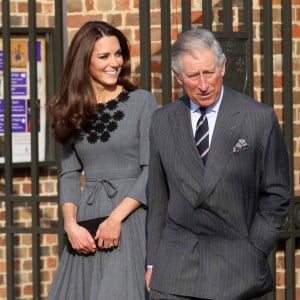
(202, 135)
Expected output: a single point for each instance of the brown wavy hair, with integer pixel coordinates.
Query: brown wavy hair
(74, 103)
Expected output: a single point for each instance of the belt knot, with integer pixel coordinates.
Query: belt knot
(110, 189)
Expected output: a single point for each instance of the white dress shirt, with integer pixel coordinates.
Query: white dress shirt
(211, 114)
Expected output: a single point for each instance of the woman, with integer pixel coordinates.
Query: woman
(102, 120)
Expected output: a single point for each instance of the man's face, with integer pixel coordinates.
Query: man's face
(201, 78)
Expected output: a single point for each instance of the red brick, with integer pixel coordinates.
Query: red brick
(132, 19)
(296, 31)
(27, 290)
(51, 262)
(74, 6)
(22, 7)
(280, 279)
(122, 5)
(89, 5)
(76, 21)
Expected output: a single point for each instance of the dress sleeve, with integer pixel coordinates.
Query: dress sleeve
(70, 176)
(138, 190)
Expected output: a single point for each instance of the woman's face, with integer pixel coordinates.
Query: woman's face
(106, 62)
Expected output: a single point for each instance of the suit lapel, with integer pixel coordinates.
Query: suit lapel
(181, 128)
(225, 136)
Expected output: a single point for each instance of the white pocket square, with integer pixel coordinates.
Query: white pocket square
(241, 145)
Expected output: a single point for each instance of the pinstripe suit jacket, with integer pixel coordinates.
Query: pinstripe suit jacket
(211, 228)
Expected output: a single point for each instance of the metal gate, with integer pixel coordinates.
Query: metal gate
(26, 228)
(44, 235)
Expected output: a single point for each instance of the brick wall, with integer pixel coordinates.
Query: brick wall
(125, 15)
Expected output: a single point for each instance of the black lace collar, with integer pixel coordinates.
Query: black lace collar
(106, 120)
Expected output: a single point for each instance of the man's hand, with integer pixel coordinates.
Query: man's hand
(148, 278)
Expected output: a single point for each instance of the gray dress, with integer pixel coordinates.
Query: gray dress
(113, 153)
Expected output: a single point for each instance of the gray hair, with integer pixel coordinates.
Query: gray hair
(192, 42)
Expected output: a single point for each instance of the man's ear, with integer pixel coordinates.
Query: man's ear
(178, 77)
(223, 68)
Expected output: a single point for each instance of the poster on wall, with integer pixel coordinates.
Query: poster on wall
(20, 100)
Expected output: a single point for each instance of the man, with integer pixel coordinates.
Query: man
(215, 204)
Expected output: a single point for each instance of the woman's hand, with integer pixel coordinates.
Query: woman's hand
(80, 239)
(108, 233)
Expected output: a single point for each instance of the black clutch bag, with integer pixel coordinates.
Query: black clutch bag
(92, 224)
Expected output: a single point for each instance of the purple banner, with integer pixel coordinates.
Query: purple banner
(18, 107)
(38, 51)
(18, 124)
(18, 78)
(18, 90)
(1, 124)
(1, 60)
